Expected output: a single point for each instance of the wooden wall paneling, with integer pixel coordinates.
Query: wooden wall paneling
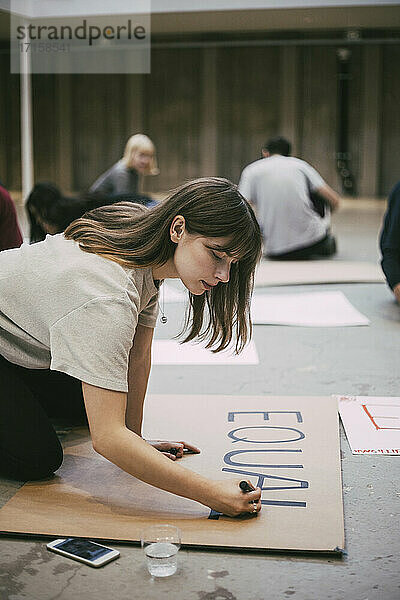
(14, 133)
(290, 112)
(173, 115)
(116, 130)
(356, 116)
(88, 117)
(249, 101)
(64, 164)
(134, 104)
(135, 110)
(390, 163)
(45, 128)
(319, 111)
(12, 120)
(370, 107)
(4, 61)
(99, 131)
(208, 134)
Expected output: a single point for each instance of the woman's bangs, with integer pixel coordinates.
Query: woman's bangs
(242, 245)
(145, 147)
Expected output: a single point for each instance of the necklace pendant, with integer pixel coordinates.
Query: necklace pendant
(163, 319)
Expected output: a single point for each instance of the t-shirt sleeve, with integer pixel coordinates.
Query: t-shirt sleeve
(148, 316)
(245, 186)
(92, 343)
(314, 178)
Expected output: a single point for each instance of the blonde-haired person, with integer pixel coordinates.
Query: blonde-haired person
(123, 177)
(90, 335)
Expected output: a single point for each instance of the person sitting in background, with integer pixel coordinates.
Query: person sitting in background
(10, 233)
(280, 187)
(390, 242)
(50, 212)
(123, 177)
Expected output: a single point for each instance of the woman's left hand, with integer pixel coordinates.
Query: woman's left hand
(173, 450)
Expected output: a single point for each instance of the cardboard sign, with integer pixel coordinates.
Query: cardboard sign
(289, 446)
(372, 423)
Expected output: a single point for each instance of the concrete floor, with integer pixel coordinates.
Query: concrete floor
(293, 361)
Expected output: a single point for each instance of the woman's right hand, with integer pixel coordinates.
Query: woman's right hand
(226, 497)
(106, 411)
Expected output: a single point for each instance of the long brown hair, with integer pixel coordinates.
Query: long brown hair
(134, 236)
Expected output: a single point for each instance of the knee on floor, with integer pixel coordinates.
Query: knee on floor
(31, 469)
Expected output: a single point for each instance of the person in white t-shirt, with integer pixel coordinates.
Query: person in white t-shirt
(281, 188)
(77, 314)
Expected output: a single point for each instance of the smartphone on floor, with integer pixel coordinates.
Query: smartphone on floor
(85, 551)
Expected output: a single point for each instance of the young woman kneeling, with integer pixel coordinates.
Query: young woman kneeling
(77, 313)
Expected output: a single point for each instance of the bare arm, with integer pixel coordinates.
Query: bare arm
(111, 438)
(138, 375)
(246, 189)
(332, 198)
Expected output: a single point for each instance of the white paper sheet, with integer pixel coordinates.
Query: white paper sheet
(310, 309)
(169, 352)
(372, 423)
(296, 272)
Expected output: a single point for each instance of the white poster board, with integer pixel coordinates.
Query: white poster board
(309, 309)
(372, 423)
(300, 272)
(170, 352)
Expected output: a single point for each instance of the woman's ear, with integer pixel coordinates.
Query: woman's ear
(177, 228)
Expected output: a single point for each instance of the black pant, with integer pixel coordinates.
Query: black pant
(29, 399)
(325, 247)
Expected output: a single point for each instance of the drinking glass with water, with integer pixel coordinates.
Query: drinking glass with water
(161, 544)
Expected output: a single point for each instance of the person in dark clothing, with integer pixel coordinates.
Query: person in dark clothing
(51, 212)
(10, 233)
(390, 242)
(123, 177)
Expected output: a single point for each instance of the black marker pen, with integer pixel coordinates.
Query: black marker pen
(246, 487)
(175, 451)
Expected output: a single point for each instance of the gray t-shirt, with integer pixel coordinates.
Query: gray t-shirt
(279, 187)
(119, 179)
(72, 311)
